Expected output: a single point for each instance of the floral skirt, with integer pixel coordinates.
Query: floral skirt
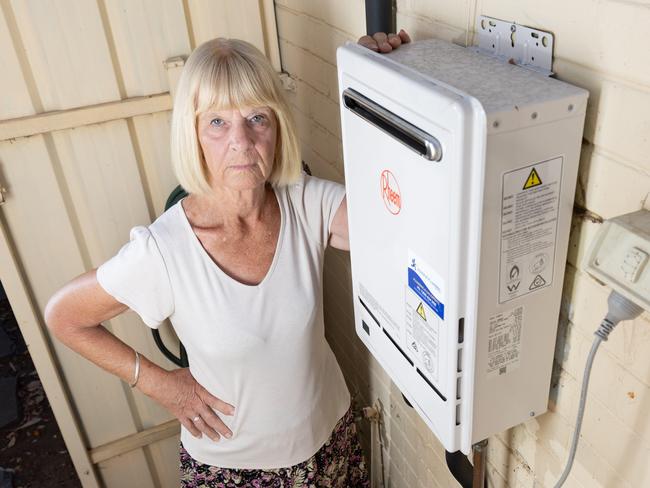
(338, 463)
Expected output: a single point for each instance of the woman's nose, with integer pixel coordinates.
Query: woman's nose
(241, 137)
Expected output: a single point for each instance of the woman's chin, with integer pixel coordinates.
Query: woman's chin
(244, 180)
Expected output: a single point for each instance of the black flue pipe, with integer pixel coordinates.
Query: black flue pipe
(460, 467)
(379, 16)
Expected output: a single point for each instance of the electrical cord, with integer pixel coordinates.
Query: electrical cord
(619, 309)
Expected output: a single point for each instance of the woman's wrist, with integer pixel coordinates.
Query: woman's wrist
(151, 378)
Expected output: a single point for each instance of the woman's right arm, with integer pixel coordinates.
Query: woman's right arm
(74, 315)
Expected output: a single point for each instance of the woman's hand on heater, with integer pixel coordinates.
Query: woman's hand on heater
(384, 43)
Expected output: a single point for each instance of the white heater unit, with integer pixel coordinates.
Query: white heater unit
(460, 172)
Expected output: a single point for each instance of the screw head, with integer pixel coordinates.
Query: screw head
(532, 414)
(495, 124)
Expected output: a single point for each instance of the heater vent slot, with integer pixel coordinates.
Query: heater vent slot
(398, 348)
(444, 399)
(369, 312)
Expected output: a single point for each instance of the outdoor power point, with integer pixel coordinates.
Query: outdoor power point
(620, 254)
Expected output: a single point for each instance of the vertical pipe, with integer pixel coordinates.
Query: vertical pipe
(479, 450)
(380, 16)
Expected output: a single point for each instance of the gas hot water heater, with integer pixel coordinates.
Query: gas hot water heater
(460, 172)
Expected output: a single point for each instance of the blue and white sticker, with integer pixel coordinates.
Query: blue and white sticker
(426, 284)
(425, 313)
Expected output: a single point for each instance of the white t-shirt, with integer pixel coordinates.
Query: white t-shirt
(260, 348)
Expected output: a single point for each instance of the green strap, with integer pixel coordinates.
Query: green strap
(176, 194)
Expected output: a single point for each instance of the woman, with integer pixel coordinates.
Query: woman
(236, 266)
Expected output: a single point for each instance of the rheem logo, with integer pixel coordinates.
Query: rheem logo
(390, 192)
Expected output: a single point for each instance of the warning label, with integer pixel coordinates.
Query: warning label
(425, 312)
(504, 341)
(421, 311)
(533, 180)
(529, 213)
(422, 335)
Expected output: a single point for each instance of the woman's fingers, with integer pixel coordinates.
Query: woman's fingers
(208, 421)
(189, 425)
(205, 421)
(404, 36)
(394, 40)
(202, 424)
(382, 42)
(213, 424)
(369, 42)
(194, 406)
(216, 403)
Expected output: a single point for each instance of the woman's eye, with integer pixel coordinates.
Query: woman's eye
(258, 119)
(216, 122)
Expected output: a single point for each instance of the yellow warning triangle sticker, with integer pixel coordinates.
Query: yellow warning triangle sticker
(532, 180)
(421, 311)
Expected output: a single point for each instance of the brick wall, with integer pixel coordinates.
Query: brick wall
(600, 45)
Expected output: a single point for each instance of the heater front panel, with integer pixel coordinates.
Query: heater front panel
(402, 211)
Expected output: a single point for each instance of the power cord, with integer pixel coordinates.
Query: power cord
(619, 309)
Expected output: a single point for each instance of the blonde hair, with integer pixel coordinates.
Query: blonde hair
(225, 74)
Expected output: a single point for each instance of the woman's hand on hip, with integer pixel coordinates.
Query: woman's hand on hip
(194, 406)
(384, 43)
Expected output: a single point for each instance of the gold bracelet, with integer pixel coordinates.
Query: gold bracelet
(137, 370)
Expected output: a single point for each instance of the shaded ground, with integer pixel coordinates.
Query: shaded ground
(32, 452)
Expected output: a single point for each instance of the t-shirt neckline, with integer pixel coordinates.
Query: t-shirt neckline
(213, 263)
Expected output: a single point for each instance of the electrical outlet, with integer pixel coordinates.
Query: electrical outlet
(620, 256)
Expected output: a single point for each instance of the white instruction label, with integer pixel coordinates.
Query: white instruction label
(504, 341)
(425, 314)
(529, 213)
(422, 335)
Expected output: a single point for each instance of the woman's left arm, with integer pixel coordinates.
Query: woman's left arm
(339, 237)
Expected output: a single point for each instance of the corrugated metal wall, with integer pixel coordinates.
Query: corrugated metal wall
(84, 123)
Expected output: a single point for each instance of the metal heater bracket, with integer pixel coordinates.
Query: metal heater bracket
(516, 44)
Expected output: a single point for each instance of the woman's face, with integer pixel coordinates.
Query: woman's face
(238, 146)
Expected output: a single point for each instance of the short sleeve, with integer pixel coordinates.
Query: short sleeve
(321, 199)
(137, 277)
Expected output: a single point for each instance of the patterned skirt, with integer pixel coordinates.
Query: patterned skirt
(338, 463)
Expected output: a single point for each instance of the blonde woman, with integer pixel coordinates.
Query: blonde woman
(236, 267)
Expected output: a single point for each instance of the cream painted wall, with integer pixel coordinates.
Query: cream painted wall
(601, 45)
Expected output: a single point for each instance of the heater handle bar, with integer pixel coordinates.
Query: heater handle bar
(412, 137)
